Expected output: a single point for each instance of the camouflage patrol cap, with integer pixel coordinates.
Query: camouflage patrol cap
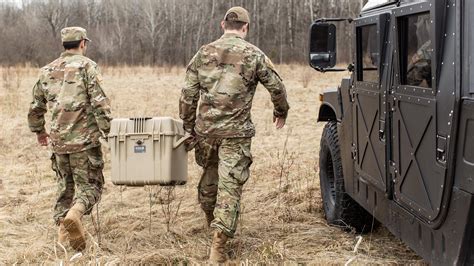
(72, 34)
(242, 14)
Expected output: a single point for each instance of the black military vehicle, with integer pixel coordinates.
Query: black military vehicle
(398, 145)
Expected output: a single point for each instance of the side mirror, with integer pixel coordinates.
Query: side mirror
(322, 46)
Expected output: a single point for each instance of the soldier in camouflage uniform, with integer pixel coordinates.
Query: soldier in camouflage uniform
(70, 87)
(419, 70)
(223, 77)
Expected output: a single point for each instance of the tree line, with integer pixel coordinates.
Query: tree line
(162, 32)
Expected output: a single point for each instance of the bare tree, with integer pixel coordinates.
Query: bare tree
(53, 12)
(160, 32)
(152, 25)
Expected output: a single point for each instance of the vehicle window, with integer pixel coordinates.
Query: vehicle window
(368, 54)
(416, 50)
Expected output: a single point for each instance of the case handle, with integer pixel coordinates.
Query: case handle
(181, 140)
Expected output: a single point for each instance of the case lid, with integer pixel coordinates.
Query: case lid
(142, 125)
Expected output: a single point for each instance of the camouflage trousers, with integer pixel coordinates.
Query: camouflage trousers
(226, 165)
(80, 179)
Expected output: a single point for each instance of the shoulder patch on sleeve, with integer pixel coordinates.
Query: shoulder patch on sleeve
(99, 78)
(270, 65)
(193, 61)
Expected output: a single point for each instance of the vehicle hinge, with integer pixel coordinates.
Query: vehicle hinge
(354, 151)
(352, 95)
(393, 171)
(393, 104)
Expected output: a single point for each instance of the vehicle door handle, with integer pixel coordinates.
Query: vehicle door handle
(381, 130)
(441, 143)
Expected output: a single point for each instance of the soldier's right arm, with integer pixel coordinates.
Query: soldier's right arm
(37, 110)
(99, 101)
(269, 77)
(190, 96)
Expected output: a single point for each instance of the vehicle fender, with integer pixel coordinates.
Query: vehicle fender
(330, 109)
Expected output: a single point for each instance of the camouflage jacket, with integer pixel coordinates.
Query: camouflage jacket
(223, 77)
(70, 88)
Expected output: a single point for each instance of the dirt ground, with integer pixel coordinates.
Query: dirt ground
(282, 220)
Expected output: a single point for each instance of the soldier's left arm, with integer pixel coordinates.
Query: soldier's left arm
(37, 110)
(190, 96)
(99, 101)
(269, 77)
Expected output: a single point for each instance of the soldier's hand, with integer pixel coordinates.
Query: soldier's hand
(42, 138)
(279, 122)
(190, 142)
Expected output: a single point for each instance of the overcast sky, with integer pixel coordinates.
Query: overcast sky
(17, 2)
(11, 1)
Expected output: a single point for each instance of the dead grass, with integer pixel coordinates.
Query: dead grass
(281, 223)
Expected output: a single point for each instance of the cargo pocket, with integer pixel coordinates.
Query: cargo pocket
(241, 171)
(96, 164)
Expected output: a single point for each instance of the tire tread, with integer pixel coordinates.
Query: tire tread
(347, 213)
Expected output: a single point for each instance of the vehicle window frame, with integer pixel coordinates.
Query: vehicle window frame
(402, 13)
(360, 55)
(403, 47)
(359, 24)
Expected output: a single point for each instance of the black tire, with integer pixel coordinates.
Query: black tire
(339, 208)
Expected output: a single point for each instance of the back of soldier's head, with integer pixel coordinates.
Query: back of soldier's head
(236, 18)
(72, 37)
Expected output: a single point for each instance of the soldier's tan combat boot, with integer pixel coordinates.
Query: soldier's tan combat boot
(209, 217)
(62, 233)
(218, 254)
(73, 225)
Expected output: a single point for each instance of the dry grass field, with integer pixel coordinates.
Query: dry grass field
(282, 220)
